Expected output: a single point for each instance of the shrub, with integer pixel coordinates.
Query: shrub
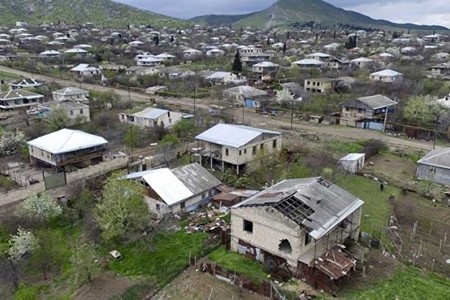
(373, 147)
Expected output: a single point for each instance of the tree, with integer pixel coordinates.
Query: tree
(58, 119)
(11, 141)
(284, 47)
(103, 99)
(237, 63)
(84, 263)
(183, 128)
(122, 209)
(422, 110)
(156, 40)
(169, 140)
(21, 244)
(39, 207)
(49, 252)
(131, 137)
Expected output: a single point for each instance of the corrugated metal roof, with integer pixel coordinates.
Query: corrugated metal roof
(178, 184)
(377, 101)
(167, 185)
(313, 203)
(387, 73)
(196, 178)
(67, 140)
(246, 91)
(437, 158)
(151, 113)
(234, 136)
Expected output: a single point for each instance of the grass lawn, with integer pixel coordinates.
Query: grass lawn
(236, 262)
(407, 283)
(376, 204)
(8, 76)
(162, 257)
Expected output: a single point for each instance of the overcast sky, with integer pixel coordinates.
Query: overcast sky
(414, 11)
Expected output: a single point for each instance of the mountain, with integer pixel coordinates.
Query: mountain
(217, 20)
(288, 12)
(101, 12)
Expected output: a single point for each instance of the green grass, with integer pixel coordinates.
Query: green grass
(236, 262)
(8, 76)
(27, 292)
(376, 204)
(345, 147)
(161, 257)
(408, 284)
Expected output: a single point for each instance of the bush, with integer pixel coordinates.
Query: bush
(373, 147)
(137, 291)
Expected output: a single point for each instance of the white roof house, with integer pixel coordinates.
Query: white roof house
(50, 53)
(353, 162)
(234, 136)
(67, 140)
(386, 75)
(181, 189)
(85, 69)
(70, 93)
(309, 62)
(76, 51)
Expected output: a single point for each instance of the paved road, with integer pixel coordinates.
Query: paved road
(251, 117)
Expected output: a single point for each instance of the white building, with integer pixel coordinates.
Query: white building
(180, 190)
(67, 147)
(353, 162)
(151, 117)
(386, 75)
(71, 93)
(86, 70)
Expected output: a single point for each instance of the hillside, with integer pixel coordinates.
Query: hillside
(101, 12)
(217, 20)
(287, 12)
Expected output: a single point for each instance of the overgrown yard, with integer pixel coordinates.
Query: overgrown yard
(236, 262)
(161, 258)
(376, 209)
(406, 283)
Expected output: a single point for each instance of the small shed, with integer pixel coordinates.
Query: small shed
(353, 162)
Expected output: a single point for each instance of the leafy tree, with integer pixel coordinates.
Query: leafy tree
(103, 99)
(284, 47)
(169, 140)
(422, 110)
(11, 141)
(131, 137)
(84, 263)
(58, 119)
(21, 244)
(122, 209)
(183, 127)
(49, 252)
(156, 40)
(39, 207)
(237, 63)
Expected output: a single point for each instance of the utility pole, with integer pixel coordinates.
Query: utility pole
(243, 113)
(129, 94)
(436, 131)
(292, 113)
(195, 96)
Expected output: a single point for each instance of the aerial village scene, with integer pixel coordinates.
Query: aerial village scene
(290, 150)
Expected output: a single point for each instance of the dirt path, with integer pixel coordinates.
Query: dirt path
(250, 117)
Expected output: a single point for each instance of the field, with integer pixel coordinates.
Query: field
(406, 283)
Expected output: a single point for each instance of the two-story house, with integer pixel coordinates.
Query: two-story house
(367, 112)
(67, 147)
(299, 224)
(320, 85)
(264, 70)
(19, 99)
(76, 112)
(236, 146)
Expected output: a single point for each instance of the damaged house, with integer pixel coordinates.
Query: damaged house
(299, 225)
(179, 190)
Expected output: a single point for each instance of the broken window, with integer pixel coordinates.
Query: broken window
(182, 205)
(226, 152)
(274, 143)
(158, 207)
(285, 246)
(248, 226)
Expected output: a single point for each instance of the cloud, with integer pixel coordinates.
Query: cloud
(405, 11)
(426, 12)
